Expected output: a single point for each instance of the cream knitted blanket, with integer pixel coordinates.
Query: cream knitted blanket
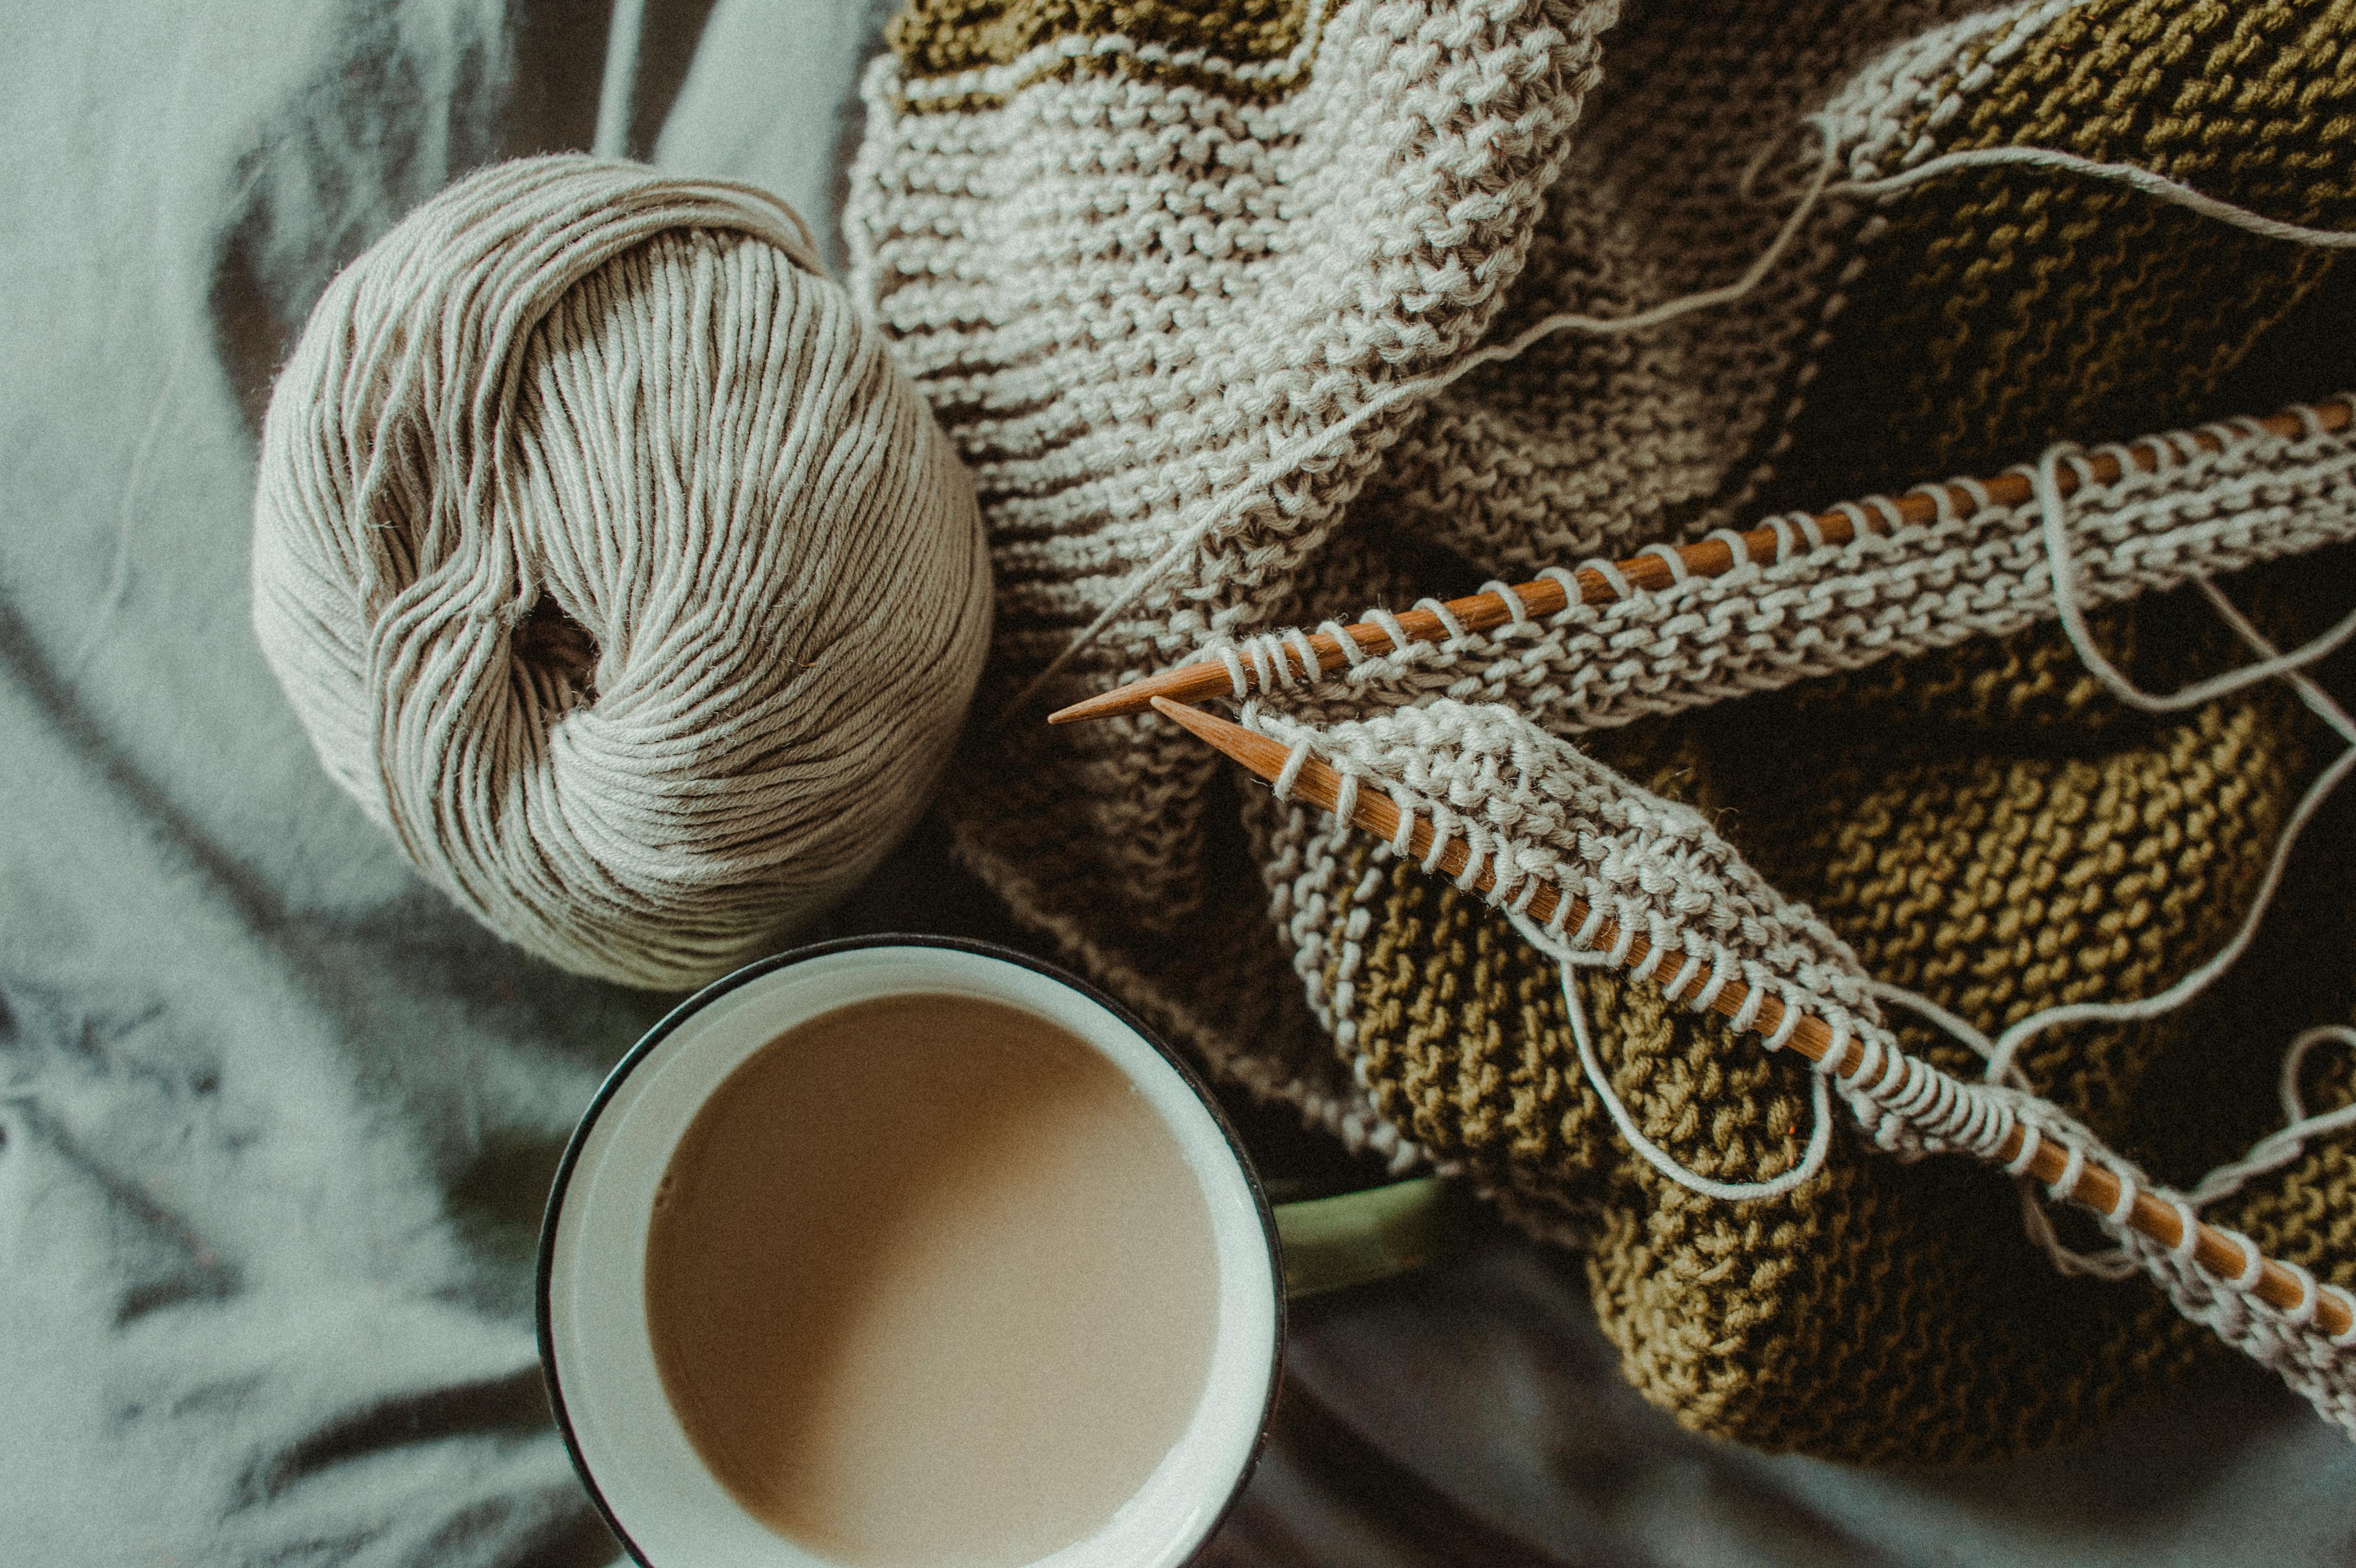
(1241, 318)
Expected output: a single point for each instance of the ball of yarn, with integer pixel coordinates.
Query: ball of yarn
(614, 568)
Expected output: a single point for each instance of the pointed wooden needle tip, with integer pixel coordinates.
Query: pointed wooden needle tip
(1131, 698)
(1206, 725)
(1188, 683)
(1261, 755)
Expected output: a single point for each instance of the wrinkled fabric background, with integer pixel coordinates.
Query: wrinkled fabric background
(276, 1121)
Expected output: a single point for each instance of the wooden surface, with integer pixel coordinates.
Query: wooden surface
(2097, 1189)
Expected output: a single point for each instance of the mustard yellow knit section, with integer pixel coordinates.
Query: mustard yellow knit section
(2306, 1213)
(1994, 832)
(2006, 308)
(942, 37)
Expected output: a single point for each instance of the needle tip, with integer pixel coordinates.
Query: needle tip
(1207, 726)
(1103, 705)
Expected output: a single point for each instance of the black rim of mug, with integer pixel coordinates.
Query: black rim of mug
(679, 1015)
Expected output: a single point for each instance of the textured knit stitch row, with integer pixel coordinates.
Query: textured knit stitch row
(1892, 592)
(1534, 808)
(1122, 294)
(1452, 1019)
(1492, 775)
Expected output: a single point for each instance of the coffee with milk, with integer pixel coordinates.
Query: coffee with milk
(930, 1282)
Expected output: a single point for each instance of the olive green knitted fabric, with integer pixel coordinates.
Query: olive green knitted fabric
(940, 38)
(2007, 307)
(1132, 287)
(2099, 867)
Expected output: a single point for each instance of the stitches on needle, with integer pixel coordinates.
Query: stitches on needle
(1295, 455)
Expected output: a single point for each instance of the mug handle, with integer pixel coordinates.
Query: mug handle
(1355, 1238)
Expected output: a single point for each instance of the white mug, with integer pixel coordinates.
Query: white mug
(646, 1477)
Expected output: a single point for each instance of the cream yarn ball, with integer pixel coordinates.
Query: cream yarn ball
(614, 568)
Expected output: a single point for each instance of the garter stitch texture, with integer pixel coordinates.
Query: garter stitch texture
(614, 568)
(1143, 259)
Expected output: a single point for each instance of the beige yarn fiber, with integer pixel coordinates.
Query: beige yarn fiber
(612, 566)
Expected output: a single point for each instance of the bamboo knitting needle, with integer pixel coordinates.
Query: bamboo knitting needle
(2097, 1189)
(1711, 558)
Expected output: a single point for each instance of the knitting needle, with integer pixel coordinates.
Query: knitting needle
(2095, 1188)
(1709, 558)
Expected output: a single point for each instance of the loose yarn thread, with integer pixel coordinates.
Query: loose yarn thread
(2278, 1148)
(1812, 1158)
(1906, 1104)
(612, 566)
(1290, 457)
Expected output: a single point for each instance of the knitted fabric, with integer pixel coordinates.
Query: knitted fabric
(1182, 285)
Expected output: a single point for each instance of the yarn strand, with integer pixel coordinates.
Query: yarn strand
(2130, 175)
(1288, 458)
(2278, 1148)
(1811, 1161)
(2054, 521)
(2271, 665)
